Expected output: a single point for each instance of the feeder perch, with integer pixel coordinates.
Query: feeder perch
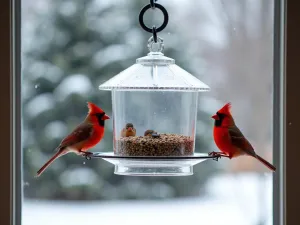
(157, 95)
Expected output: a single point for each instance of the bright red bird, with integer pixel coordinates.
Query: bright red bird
(83, 137)
(230, 139)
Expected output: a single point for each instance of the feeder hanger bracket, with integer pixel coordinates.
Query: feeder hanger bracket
(154, 30)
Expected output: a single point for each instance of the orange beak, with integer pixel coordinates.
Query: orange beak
(105, 117)
(129, 128)
(215, 117)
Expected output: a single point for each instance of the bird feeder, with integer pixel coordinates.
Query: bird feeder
(158, 100)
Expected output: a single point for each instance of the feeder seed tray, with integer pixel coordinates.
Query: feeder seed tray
(164, 145)
(154, 165)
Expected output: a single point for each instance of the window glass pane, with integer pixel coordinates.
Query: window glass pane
(70, 47)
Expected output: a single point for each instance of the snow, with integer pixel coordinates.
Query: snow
(231, 199)
(111, 54)
(68, 8)
(73, 84)
(46, 70)
(145, 212)
(79, 176)
(55, 129)
(39, 104)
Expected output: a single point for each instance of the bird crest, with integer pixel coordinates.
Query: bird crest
(226, 109)
(93, 108)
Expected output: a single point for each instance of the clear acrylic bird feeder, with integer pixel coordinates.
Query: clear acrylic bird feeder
(160, 100)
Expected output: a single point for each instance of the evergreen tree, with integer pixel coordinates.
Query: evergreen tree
(75, 46)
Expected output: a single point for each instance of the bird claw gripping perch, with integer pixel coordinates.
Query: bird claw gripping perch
(87, 155)
(216, 155)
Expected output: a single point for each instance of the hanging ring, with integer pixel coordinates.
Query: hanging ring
(165, 13)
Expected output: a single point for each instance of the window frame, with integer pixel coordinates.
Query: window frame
(290, 120)
(7, 170)
(278, 109)
(13, 81)
(286, 120)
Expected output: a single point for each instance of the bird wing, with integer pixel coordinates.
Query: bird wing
(80, 133)
(239, 140)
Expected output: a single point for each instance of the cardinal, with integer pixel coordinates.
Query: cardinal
(128, 130)
(85, 136)
(230, 140)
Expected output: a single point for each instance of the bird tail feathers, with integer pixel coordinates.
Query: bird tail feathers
(266, 163)
(49, 162)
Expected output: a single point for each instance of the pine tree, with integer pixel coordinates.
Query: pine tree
(77, 46)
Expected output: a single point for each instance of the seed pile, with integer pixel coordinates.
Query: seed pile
(164, 145)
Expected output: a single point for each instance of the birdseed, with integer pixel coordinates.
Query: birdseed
(164, 145)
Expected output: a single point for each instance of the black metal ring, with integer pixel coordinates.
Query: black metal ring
(165, 13)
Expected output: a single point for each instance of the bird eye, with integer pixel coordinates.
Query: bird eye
(221, 115)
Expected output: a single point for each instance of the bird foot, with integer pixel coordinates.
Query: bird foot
(216, 155)
(87, 155)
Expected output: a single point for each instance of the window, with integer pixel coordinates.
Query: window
(199, 185)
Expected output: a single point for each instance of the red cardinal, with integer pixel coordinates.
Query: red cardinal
(230, 139)
(84, 137)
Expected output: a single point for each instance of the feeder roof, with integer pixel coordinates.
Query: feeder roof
(154, 72)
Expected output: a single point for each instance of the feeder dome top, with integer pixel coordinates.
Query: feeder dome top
(154, 72)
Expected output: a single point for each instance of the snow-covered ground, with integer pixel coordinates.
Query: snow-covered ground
(231, 200)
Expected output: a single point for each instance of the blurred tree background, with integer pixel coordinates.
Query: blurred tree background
(69, 48)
